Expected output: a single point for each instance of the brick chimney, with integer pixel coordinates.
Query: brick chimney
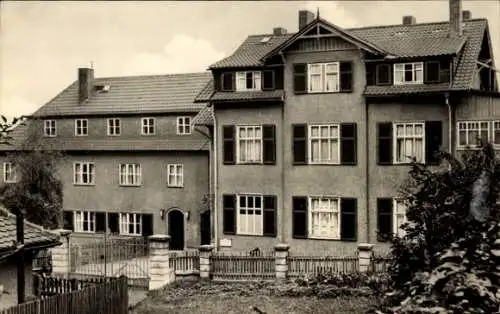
(409, 20)
(305, 17)
(278, 31)
(455, 18)
(466, 15)
(85, 84)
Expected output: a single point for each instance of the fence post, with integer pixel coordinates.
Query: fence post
(160, 273)
(365, 251)
(61, 254)
(205, 261)
(281, 260)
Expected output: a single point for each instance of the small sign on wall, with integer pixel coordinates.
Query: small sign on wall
(225, 243)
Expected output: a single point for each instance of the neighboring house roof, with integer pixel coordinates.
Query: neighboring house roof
(418, 40)
(132, 95)
(205, 116)
(34, 236)
(206, 92)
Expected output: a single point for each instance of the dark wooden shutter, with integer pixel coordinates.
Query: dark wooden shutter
(269, 144)
(348, 219)
(433, 141)
(278, 78)
(300, 78)
(371, 74)
(269, 216)
(228, 82)
(100, 222)
(384, 143)
(384, 218)
(299, 146)
(268, 80)
(299, 217)
(229, 148)
(113, 222)
(348, 154)
(384, 74)
(444, 71)
(229, 214)
(147, 225)
(432, 72)
(346, 77)
(68, 221)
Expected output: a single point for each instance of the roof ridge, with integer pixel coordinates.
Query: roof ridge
(151, 75)
(412, 25)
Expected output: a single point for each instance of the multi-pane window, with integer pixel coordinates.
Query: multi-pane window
(249, 144)
(130, 224)
(49, 128)
(324, 217)
(469, 133)
(246, 81)
(9, 172)
(249, 219)
(324, 144)
(81, 127)
(148, 126)
(175, 175)
(409, 142)
(496, 132)
(130, 174)
(84, 173)
(114, 127)
(323, 77)
(409, 73)
(399, 217)
(85, 221)
(183, 125)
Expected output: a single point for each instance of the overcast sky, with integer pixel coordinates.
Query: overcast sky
(43, 44)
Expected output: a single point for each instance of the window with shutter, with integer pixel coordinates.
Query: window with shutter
(228, 82)
(147, 224)
(269, 144)
(100, 222)
(444, 71)
(270, 215)
(433, 141)
(113, 222)
(384, 218)
(383, 74)
(384, 143)
(346, 77)
(229, 144)
(371, 74)
(348, 219)
(229, 214)
(348, 154)
(268, 80)
(299, 135)
(300, 78)
(432, 70)
(299, 217)
(68, 220)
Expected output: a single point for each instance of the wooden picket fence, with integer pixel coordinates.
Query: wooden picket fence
(107, 297)
(299, 266)
(243, 266)
(185, 262)
(380, 263)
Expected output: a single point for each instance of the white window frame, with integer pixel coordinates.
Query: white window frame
(184, 126)
(124, 223)
(82, 215)
(467, 129)
(9, 172)
(414, 137)
(239, 221)
(131, 169)
(323, 73)
(396, 229)
(78, 174)
(416, 67)
(254, 139)
(310, 212)
(81, 127)
(50, 128)
(329, 138)
(495, 125)
(114, 126)
(241, 81)
(176, 176)
(148, 122)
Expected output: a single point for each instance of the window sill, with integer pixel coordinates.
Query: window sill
(81, 135)
(114, 135)
(250, 235)
(183, 134)
(130, 185)
(322, 93)
(84, 184)
(250, 163)
(175, 186)
(9, 182)
(324, 239)
(45, 135)
(148, 134)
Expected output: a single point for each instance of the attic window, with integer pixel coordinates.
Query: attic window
(102, 88)
(265, 39)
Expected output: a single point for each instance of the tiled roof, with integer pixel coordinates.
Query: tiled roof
(204, 117)
(132, 94)
(405, 89)
(251, 95)
(422, 46)
(34, 235)
(206, 92)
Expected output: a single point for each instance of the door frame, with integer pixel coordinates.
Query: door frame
(184, 215)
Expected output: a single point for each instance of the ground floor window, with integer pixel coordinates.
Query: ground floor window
(399, 217)
(249, 218)
(130, 224)
(324, 217)
(85, 221)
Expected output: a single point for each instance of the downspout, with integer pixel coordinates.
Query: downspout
(450, 124)
(367, 172)
(281, 233)
(215, 185)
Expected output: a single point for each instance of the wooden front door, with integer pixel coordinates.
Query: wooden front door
(176, 229)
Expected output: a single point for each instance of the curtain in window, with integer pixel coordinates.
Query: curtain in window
(400, 217)
(315, 77)
(331, 77)
(324, 218)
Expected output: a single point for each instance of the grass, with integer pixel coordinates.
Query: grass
(191, 298)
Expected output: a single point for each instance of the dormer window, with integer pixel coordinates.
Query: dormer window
(248, 81)
(409, 73)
